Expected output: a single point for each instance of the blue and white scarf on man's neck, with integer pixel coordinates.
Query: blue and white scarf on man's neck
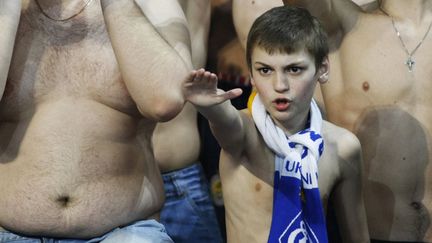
(298, 214)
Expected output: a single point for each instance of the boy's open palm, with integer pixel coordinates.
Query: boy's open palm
(200, 89)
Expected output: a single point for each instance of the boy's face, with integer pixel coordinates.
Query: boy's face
(286, 83)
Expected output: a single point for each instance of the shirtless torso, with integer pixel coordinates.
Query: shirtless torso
(71, 164)
(177, 142)
(340, 171)
(249, 216)
(372, 93)
(188, 214)
(390, 110)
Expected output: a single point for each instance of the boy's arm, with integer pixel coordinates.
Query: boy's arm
(214, 104)
(151, 68)
(348, 196)
(10, 12)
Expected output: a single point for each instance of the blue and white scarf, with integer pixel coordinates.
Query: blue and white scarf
(298, 214)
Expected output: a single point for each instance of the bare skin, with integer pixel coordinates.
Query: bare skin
(246, 11)
(9, 19)
(177, 142)
(70, 115)
(373, 94)
(243, 19)
(247, 165)
(249, 190)
(349, 232)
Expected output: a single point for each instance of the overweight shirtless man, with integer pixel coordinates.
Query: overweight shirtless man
(83, 75)
(381, 89)
(188, 214)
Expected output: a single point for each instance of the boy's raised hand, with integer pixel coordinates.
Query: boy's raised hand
(200, 89)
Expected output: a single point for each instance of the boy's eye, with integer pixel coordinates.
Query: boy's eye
(264, 70)
(295, 69)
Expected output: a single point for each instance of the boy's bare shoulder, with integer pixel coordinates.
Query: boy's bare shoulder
(246, 112)
(257, 152)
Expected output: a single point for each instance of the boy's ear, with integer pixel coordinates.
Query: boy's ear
(324, 70)
(252, 80)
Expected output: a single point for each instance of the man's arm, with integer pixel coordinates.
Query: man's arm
(198, 13)
(226, 122)
(348, 196)
(169, 20)
(151, 68)
(337, 16)
(245, 12)
(10, 12)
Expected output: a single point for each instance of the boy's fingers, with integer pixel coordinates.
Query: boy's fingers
(201, 76)
(235, 92)
(207, 77)
(231, 94)
(213, 78)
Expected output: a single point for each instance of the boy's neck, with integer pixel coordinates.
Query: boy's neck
(294, 126)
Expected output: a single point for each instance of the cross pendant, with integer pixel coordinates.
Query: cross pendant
(410, 63)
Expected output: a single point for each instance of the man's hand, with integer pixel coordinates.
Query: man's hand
(200, 89)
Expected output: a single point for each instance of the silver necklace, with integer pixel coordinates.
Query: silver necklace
(410, 61)
(64, 19)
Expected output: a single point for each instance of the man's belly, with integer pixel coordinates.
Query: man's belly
(396, 153)
(394, 218)
(75, 170)
(50, 206)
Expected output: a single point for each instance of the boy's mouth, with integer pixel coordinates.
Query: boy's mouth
(281, 104)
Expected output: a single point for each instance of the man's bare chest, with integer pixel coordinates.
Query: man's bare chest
(54, 60)
(373, 62)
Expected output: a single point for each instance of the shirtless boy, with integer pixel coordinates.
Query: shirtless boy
(261, 173)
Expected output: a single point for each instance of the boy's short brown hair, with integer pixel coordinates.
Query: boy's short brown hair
(288, 29)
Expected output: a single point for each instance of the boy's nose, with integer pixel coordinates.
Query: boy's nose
(281, 83)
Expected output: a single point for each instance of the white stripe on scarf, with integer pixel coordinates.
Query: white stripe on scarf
(278, 142)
